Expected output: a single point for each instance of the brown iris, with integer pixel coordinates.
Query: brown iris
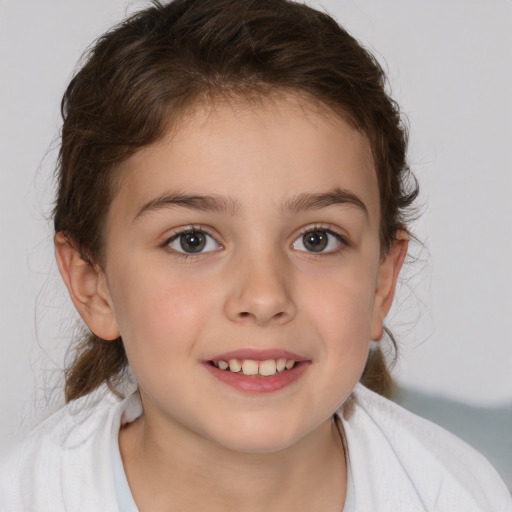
(193, 241)
(315, 241)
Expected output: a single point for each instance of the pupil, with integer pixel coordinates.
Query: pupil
(193, 242)
(315, 241)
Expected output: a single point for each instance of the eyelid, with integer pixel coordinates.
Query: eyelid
(191, 228)
(328, 228)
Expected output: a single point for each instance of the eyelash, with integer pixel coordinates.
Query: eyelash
(330, 230)
(343, 242)
(184, 231)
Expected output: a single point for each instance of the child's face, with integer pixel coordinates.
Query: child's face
(280, 260)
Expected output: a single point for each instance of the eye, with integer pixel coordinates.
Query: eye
(193, 241)
(318, 240)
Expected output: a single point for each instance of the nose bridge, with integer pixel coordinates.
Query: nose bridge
(261, 288)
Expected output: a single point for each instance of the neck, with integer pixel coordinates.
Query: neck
(164, 470)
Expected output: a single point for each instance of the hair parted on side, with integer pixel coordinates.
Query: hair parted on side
(141, 76)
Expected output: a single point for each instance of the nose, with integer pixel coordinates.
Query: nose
(260, 292)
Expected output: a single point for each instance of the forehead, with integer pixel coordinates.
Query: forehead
(263, 150)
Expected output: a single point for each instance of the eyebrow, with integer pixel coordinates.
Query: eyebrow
(213, 203)
(316, 201)
(221, 204)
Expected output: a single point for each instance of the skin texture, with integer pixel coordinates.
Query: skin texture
(255, 286)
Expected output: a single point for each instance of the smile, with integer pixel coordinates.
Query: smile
(258, 371)
(253, 367)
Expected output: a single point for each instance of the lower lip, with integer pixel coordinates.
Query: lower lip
(258, 383)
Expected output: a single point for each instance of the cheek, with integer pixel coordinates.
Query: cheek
(342, 300)
(339, 311)
(159, 314)
(339, 307)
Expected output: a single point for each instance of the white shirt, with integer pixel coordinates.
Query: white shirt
(397, 462)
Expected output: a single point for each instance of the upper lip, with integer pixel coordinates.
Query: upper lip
(258, 355)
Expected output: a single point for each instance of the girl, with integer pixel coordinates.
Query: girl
(230, 222)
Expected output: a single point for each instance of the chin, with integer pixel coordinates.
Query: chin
(256, 445)
(264, 438)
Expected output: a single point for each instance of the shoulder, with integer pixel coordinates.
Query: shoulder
(62, 459)
(403, 455)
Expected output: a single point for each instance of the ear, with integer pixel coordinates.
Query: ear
(88, 288)
(386, 283)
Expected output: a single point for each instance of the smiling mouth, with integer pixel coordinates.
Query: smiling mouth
(258, 371)
(249, 367)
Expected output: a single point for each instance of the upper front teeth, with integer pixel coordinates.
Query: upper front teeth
(268, 367)
(234, 365)
(252, 367)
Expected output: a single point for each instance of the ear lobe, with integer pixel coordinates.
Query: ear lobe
(88, 288)
(386, 283)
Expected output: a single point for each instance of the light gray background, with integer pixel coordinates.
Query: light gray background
(449, 63)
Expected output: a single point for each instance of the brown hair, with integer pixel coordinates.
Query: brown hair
(141, 76)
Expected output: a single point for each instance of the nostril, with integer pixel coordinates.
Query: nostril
(277, 316)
